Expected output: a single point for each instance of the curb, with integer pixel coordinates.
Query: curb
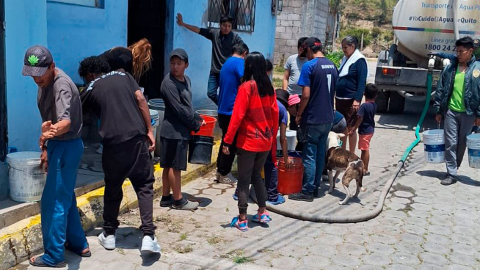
(21, 240)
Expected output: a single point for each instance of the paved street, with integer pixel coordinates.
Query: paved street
(423, 225)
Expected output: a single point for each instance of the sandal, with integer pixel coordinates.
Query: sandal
(38, 262)
(84, 254)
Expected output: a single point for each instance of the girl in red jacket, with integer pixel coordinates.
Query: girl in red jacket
(255, 121)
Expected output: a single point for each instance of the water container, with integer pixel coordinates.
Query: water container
(291, 140)
(207, 129)
(25, 176)
(290, 180)
(473, 145)
(200, 150)
(158, 105)
(155, 123)
(434, 145)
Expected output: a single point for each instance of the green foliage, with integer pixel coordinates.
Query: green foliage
(335, 57)
(376, 32)
(357, 32)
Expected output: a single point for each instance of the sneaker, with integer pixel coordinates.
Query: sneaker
(188, 205)
(150, 244)
(301, 197)
(108, 242)
(242, 225)
(280, 199)
(226, 179)
(263, 218)
(235, 195)
(166, 201)
(449, 180)
(100, 149)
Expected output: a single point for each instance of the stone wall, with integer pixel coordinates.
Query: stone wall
(299, 18)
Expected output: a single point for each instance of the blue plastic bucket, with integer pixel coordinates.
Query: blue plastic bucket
(473, 145)
(434, 145)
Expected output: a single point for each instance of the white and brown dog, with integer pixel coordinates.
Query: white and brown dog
(341, 160)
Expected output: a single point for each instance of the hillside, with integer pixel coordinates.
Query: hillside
(371, 17)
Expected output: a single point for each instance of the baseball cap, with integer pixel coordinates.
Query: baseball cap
(312, 41)
(179, 52)
(282, 96)
(293, 99)
(36, 61)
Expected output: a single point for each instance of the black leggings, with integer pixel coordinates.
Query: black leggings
(250, 165)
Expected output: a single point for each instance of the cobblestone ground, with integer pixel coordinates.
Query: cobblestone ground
(423, 225)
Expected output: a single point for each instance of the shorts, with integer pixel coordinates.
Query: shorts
(344, 106)
(173, 154)
(364, 141)
(340, 126)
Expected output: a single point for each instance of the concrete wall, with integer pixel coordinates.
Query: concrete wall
(75, 32)
(26, 24)
(199, 48)
(299, 18)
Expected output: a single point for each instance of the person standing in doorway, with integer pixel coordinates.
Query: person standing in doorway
(350, 86)
(230, 79)
(179, 121)
(457, 99)
(62, 147)
(222, 40)
(127, 138)
(315, 116)
(293, 67)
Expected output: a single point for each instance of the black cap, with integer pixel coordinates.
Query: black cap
(36, 61)
(312, 41)
(181, 53)
(282, 96)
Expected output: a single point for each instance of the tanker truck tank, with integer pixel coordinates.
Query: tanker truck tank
(421, 27)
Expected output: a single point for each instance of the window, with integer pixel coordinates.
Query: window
(242, 12)
(88, 3)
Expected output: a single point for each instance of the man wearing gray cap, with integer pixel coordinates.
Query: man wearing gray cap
(62, 147)
(178, 122)
(127, 137)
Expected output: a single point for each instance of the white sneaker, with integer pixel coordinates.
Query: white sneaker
(226, 179)
(100, 149)
(107, 242)
(150, 245)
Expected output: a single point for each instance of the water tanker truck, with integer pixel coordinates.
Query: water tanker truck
(421, 27)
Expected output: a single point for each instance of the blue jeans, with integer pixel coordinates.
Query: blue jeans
(313, 155)
(213, 83)
(59, 213)
(271, 178)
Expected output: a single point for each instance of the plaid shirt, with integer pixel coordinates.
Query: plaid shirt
(254, 118)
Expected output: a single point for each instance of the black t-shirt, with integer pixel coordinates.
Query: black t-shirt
(367, 111)
(112, 99)
(221, 46)
(119, 57)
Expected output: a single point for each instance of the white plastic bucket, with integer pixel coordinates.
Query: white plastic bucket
(291, 140)
(158, 105)
(473, 145)
(25, 176)
(434, 145)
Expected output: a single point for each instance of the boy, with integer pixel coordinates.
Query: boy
(270, 169)
(230, 79)
(366, 124)
(177, 125)
(127, 138)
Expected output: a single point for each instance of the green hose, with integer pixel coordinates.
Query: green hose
(420, 122)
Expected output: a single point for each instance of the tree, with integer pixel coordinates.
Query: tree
(383, 11)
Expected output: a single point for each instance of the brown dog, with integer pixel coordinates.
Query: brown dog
(341, 160)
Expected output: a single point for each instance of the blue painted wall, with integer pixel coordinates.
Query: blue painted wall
(200, 48)
(26, 25)
(76, 32)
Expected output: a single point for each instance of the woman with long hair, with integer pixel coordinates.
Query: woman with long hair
(136, 59)
(255, 121)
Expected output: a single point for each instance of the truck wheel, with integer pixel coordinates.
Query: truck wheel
(397, 103)
(382, 101)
